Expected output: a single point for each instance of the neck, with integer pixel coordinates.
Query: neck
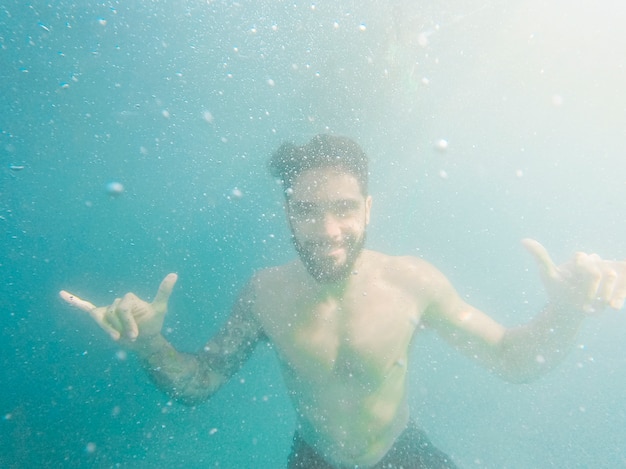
(336, 288)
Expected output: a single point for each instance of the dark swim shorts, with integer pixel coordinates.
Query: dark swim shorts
(412, 450)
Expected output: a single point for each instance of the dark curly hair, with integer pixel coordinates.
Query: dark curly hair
(322, 151)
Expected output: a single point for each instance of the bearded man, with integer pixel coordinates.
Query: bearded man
(342, 318)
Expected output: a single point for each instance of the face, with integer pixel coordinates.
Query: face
(328, 213)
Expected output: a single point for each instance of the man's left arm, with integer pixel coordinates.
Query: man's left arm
(586, 285)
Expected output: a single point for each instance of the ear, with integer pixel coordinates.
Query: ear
(287, 209)
(368, 208)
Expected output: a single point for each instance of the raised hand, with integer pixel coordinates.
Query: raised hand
(587, 283)
(129, 317)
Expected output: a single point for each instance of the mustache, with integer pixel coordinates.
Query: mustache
(325, 245)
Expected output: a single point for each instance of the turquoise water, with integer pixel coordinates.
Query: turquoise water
(182, 102)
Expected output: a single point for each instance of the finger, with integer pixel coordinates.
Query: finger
(99, 315)
(126, 318)
(619, 290)
(590, 277)
(541, 256)
(110, 321)
(164, 292)
(619, 297)
(76, 302)
(114, 333)
(607, 286)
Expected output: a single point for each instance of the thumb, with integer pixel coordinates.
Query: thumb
(541, 256)
(163, 294)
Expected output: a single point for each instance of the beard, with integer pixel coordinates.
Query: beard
(324, 269)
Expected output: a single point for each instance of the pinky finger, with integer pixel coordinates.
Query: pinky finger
(77, 302)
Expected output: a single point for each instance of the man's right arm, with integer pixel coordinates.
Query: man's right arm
(189, 378)
(193, 378)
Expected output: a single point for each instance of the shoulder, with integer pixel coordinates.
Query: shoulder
(403, 266)
(277, 275)
(273, 283)
(409, 272)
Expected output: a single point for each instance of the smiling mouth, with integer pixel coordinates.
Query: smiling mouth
(334, 252)
(324, 250)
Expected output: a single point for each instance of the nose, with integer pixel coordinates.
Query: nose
(330, 225)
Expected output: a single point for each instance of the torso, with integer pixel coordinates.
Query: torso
(344, 353)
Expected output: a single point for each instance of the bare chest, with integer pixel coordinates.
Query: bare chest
(364, 335)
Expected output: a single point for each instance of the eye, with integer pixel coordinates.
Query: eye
(301, 211)
(344, 208)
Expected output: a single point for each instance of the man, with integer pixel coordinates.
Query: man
(342, 318)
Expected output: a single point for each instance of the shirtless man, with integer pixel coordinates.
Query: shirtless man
(342, 318)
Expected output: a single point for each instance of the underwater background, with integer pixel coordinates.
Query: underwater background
(133, 142)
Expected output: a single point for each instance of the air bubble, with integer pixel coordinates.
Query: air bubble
(441, 145)
(207, 116)
(557, 100)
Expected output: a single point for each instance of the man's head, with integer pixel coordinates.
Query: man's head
(327, 204)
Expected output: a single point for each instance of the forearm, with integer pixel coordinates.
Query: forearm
(182, 376)
(528, 351)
